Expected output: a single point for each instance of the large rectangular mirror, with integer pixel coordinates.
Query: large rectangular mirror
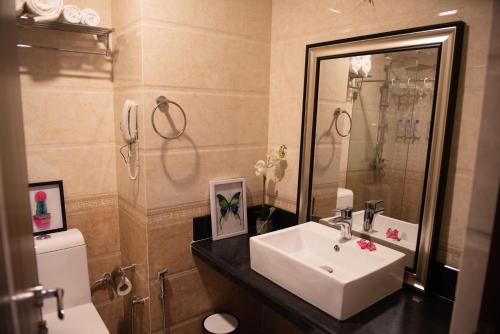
(376, 129)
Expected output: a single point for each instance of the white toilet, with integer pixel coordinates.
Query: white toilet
(62, 263)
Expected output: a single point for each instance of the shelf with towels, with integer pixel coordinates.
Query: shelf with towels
(102, 34)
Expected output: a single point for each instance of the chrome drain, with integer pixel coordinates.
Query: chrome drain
(327, 268)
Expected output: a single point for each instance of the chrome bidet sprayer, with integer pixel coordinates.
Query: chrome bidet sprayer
(161, 279)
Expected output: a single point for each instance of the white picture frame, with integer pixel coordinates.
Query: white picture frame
(226, 222)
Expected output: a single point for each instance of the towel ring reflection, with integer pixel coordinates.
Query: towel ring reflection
(337, 113)
(162, 100)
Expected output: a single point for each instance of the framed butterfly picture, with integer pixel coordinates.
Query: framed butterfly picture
(228, 205)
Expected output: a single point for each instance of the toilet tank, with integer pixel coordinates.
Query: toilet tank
(62, 263)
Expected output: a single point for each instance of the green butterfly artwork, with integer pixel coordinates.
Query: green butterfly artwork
(231, 206)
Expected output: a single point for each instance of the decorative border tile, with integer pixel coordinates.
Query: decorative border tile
(77, 204)
(173, 214)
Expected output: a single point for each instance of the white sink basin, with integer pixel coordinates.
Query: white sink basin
(300, 259)
(408, 233)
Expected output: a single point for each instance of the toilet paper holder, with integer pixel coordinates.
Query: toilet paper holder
(129, 268)
(121, 284)
(116, 279)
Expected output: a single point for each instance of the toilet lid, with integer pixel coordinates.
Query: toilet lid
(81, 319)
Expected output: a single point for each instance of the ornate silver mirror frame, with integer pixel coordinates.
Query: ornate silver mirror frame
(448, 39)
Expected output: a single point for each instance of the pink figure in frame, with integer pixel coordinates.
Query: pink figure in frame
(41, 216)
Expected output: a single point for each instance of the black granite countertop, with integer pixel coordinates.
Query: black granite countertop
(405, 311)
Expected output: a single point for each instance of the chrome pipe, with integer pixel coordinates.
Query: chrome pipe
(136, 301)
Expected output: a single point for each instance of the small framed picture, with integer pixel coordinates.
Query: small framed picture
(47, 207)
(228, 205)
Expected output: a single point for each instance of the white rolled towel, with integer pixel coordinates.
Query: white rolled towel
(20, 7)
(90, 17)
(356, 63)
(45, 10)
(71, 14)
(366, 65)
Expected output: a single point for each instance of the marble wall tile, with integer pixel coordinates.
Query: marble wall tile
(326, 163)
(466, 134)
(333, 80)
(213, 119)
(198, 291)
(125, 13)
(98, 265)
(199, 60)
(44, 68)
(455, 218)
(250, 19)
(98, 224)
(84, 169)
(128, 57)
(131, 191)
(287, 57)
(284, 121)
(133, 242)
(324, 200)
(169, 246)
(112, 315)
(190, 294)
(180, 177)
(55, 116)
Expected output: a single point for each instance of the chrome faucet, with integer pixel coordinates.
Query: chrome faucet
(344, 221)
(370, 212)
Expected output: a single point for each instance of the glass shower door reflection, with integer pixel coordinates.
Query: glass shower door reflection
(388, 145)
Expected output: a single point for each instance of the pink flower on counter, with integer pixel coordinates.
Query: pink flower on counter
(392, 234)
(367, 244)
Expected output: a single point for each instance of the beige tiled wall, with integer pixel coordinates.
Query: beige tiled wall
(69, 128)
(297, 23)
(329, 163)
(475, 281)
(213, 59)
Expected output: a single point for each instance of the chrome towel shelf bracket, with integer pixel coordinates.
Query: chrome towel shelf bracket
(163, 101)
(101, 34)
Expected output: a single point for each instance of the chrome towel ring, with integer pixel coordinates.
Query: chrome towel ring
(162, 100)
(336, 114)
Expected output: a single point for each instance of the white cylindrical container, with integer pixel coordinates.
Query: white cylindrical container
(221, 323)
